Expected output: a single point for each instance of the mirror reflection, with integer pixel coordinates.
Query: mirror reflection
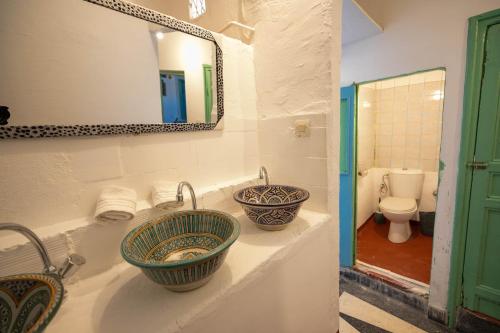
(185, 67)
(65, 62)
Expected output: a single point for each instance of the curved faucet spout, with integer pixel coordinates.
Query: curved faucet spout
(263, 174)
(180, 196)
(37, 243)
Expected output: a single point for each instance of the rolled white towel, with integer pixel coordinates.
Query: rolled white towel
(163, 192)
(116, 203)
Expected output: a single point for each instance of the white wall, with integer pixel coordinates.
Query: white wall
(297, 53)
(408, 129)
(178, 51)
(48, 181)
(366, 126)
(366, 204)
(293, 80)
(422, 35)
(72, 62)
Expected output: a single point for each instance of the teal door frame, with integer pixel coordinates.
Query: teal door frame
(347, 191)
(478, 26)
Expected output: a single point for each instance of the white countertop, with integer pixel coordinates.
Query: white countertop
(123, 300)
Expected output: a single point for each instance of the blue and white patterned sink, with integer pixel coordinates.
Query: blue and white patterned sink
(28, 302)
(271, 207)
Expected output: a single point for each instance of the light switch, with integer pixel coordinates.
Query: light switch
(302, 127)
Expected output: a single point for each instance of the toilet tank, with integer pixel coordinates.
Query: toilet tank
(406, 183)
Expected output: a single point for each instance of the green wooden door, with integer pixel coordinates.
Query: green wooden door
(207, 77)
(482, 253)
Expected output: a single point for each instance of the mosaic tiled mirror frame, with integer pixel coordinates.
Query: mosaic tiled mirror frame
(50, 131)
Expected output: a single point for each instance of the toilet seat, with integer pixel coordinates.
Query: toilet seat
(398, 205)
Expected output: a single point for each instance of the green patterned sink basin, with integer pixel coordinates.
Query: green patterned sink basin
(181, 250)
(28, 302)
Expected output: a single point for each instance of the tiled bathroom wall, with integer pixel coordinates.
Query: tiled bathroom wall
(367, 110)
(398, 126)
(408, 121)
(367, 107)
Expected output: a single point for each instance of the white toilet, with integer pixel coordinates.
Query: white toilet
(406, 188)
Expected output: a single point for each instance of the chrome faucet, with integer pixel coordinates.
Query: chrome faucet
(48, 267)
(180, 196)
(263, 174)
(70, 265)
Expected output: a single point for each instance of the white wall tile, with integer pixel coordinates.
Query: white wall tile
(407, 122)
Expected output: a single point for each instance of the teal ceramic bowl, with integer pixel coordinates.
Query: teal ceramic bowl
(181, 250)
(28, 302)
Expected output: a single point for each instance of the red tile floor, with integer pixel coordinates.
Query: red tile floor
(411, 258)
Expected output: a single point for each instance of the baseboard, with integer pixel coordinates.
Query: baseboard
(385, 288)
(472, 322)
(364, 223)
(439, 315)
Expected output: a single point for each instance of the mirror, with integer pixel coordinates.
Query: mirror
(70, 67)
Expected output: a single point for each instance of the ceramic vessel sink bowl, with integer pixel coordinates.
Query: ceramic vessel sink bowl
(271, 207)
(181, 250)
(28, 302)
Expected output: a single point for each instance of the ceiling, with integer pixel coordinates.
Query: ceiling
(356, 23)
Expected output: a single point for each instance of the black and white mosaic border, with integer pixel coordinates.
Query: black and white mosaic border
(53, 131)
(50, 131)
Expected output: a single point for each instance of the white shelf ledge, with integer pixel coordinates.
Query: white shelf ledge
(123, 300)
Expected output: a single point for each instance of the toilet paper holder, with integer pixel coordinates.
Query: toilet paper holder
(362, 173)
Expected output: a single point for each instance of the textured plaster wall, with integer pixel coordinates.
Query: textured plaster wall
(294, 81)
(417, 35)
(297, 54)
(48, 181)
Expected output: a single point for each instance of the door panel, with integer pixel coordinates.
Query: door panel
(482, 256)
(207, 77)
(347, 157)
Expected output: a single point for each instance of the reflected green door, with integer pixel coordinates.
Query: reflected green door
(482, 252)
(207, 77)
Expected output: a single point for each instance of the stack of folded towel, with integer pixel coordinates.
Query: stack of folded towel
(116, 203)
(164, 193)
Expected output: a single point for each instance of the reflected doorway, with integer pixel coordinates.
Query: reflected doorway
(173, 96)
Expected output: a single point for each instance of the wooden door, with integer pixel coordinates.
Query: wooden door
(482, 252)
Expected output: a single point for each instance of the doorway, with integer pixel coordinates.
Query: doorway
(173, 96)
(207, 80)
(397, 140)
